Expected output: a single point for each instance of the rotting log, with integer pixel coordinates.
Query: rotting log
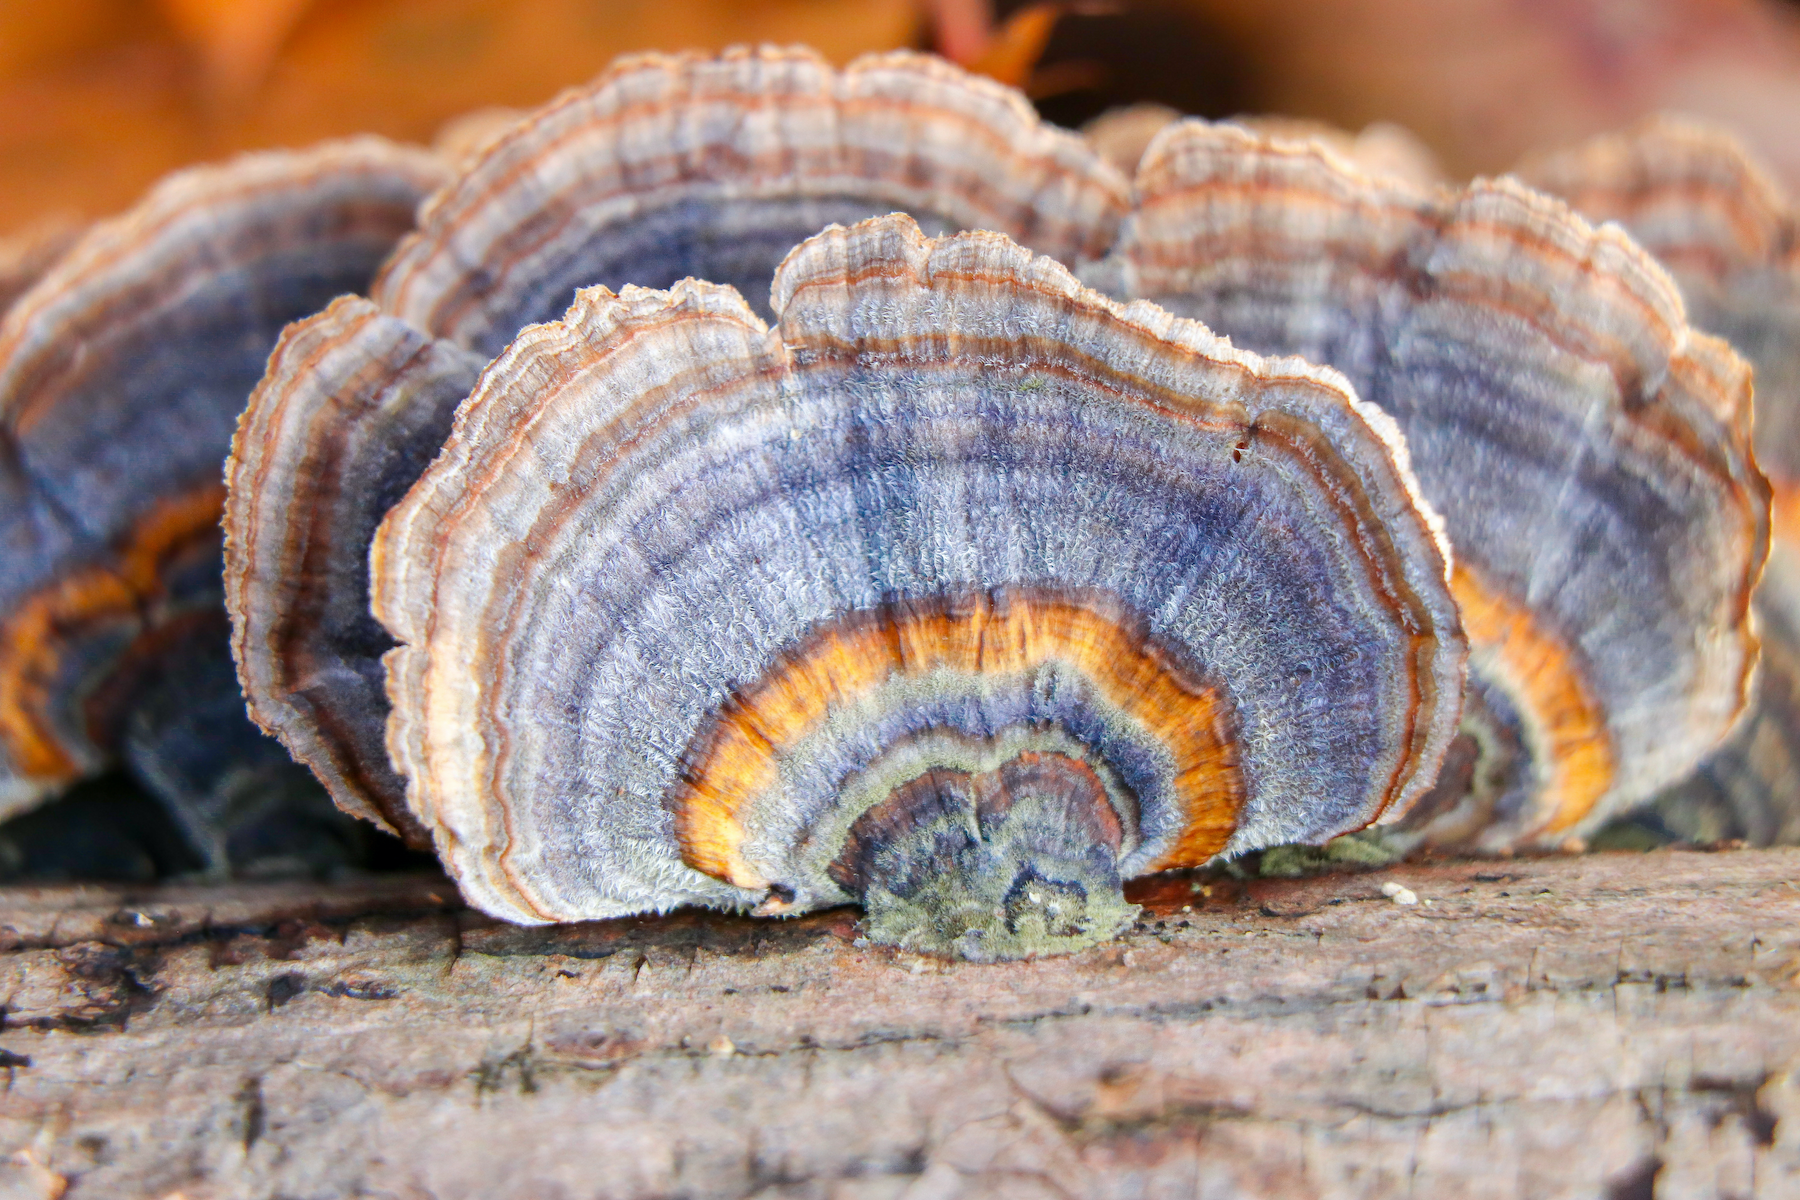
(1612, 1025)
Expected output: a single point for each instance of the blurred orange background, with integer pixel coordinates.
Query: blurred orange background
(102, 96)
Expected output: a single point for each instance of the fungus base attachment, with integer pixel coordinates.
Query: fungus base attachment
(1010, 863)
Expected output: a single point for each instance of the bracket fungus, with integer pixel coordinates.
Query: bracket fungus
(353, 407)
(122, 373)
(912, 573)
(962, 592)
(1696, 198)
(1589, 451)
(666, 166)
(714, 167)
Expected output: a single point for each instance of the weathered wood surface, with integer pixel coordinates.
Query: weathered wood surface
(1615, 1026)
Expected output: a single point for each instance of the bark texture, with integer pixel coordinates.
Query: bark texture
(1622, 1026)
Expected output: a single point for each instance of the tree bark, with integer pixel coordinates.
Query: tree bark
(1613, 1025)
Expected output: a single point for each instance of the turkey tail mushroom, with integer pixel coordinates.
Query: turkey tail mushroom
(961, 592)
(1589, 450)
(122, 372)
(1696, 198)
(666, 166)
(355, 404)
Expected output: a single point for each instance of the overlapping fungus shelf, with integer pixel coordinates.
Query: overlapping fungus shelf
(122, 372)
(354, 405)
(1588, 449)
(957, 590)
(669, 167)
(664, 167)
(1694, 197)
(1697, 199)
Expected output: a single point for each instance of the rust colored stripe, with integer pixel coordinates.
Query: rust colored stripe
(738, 756)
(33, 638)
(1543, 677)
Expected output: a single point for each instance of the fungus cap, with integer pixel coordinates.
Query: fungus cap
(1696, 198)
(714, 166)
(122, 371)
(666, 166)
(1122, 135)
(1588, 449)
(27, 254)
(353, 406)
(961, 591)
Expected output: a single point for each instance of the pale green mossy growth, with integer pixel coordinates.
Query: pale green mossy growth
(1365, 848)
(966, 876)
